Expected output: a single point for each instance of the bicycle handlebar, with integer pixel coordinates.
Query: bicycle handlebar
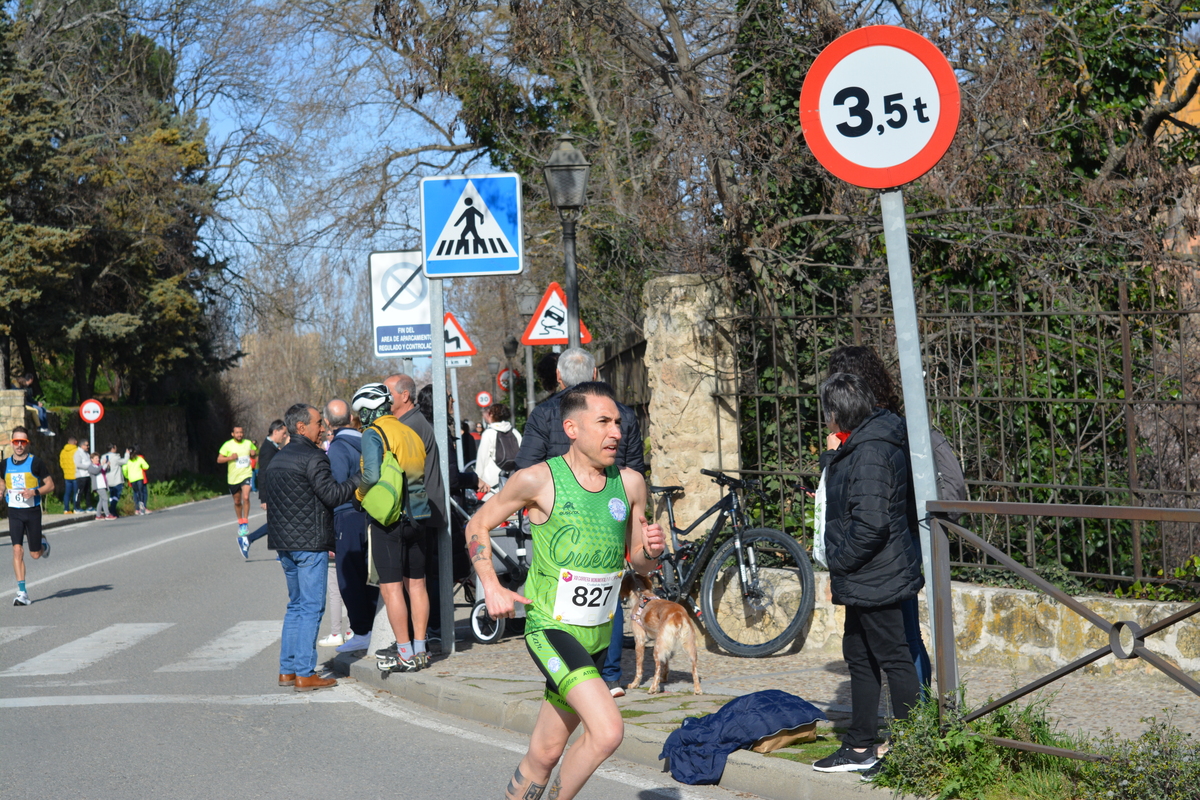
(721, 479)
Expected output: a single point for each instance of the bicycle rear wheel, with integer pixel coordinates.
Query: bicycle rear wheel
(777, 600)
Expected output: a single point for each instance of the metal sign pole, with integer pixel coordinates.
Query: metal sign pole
(92, 435)
(457, 419)
(441, 433)
(529, 387)
(912, 376)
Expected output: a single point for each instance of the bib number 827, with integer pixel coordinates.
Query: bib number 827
(591, 598)
(858, 101)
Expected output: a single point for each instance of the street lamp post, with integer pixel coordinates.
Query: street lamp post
(527, 302)
(494, 369)
(511, 345)
(566, 174)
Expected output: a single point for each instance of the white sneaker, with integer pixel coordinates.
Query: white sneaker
(332, 640)
(22, 599)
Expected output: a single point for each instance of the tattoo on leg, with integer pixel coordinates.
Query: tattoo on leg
(555, 788)
(515, 784)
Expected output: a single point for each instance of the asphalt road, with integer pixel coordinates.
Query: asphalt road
(146, 667)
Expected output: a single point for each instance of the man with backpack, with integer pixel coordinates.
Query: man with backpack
(498, 448)
(397, 546)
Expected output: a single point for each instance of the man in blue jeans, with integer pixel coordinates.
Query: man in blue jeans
(301, 493)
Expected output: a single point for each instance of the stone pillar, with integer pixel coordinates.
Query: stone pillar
(690, 363)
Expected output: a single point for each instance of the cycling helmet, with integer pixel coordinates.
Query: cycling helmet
(371, 397)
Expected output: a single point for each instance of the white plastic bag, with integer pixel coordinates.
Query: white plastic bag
(819, 523)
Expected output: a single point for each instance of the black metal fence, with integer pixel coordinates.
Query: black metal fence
(1072, 396)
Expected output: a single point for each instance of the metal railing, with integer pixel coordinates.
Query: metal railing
(945, 660)
(1083, 399)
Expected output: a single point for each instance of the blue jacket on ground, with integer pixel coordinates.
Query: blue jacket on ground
(344, 453)
(699, 748)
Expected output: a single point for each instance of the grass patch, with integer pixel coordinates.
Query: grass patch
(942, 758)
(630, 713)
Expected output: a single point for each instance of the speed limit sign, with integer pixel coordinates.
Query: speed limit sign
(483, 399)
(880, 106)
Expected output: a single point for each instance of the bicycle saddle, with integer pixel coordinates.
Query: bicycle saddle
(664, 489)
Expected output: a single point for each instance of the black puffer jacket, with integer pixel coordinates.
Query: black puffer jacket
(300, 493)
(544, 437)
(870, 516)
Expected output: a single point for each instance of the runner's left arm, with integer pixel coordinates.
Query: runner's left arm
(42, 473)
(644, 540)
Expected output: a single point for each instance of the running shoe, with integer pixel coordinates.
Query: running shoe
(397, 664)
(422, 660)
(45, 547)
(22, 599)
(615, 688)
(847, 760)
(390, 651)
(332, 640)
(244, 544)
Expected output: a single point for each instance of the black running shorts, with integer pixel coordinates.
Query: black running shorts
(398, 552)
(564, 662)
(236, 488)
(24, 522)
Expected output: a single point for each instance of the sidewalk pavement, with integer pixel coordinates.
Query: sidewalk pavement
(59, 520)
(498, 684)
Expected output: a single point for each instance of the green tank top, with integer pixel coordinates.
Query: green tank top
(585, 533)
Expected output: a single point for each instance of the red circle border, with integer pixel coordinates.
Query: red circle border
(97, 402)
(949, 102)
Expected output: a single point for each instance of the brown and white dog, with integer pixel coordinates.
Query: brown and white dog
(670, 625)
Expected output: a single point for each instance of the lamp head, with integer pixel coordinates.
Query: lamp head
(566, 174)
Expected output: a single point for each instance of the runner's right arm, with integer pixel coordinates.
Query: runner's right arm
(519, 493)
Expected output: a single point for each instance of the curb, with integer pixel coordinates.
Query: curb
(71, 519)
(766, 776)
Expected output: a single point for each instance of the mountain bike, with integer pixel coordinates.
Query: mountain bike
(756, 586)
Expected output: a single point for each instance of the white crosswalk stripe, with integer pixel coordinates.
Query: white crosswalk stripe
(12, 634)
(240, 643)
(84, 652)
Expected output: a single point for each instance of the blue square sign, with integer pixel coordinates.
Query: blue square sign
(471, 225)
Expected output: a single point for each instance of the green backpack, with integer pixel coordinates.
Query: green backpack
(394, 496)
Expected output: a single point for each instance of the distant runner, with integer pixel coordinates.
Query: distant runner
(26, 481)
(237, 453)
(582, 510)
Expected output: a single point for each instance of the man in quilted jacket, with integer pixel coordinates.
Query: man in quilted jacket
(301, 493)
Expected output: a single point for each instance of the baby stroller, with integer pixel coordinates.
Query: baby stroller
(511, 556)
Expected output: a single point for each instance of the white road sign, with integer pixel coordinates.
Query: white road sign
(400, 315)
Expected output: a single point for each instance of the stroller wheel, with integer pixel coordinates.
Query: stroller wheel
(484, 629)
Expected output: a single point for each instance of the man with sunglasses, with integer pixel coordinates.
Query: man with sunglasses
(26, 481)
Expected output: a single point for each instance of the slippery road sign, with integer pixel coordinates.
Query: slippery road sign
(549, 323)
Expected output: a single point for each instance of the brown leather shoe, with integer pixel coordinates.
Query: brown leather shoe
(287, 680)
(310, 682)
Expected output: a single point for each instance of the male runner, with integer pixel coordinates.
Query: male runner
(582, 510)
(26, 481)
(237, 453)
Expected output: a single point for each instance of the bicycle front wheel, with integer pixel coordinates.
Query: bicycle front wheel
(765, 613)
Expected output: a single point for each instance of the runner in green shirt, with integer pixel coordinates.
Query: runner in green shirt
(582, 512)
(238, 453)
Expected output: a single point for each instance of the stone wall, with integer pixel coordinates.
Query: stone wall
(160, 432)
(1028, 631)
(688, 362)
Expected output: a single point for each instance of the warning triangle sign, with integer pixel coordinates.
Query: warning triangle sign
(457, 341)
(549, 322)
(471, 231)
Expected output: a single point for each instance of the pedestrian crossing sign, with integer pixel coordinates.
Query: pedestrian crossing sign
(471, 225)
(548, 325)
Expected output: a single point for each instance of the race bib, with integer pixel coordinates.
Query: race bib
(17, 500)
(585, 598)
(243, 462)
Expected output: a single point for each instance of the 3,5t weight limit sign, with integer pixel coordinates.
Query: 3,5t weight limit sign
(879, 106)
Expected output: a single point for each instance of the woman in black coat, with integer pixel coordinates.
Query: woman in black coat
(874, 565)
